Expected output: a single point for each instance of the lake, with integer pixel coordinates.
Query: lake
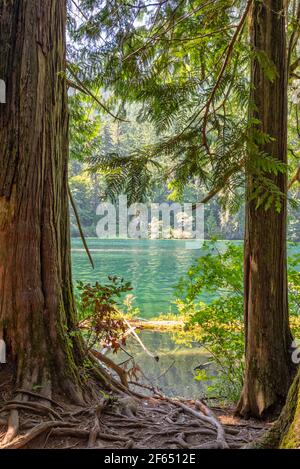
(152, 266)
(174, 372)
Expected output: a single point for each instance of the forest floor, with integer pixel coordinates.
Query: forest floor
(150, 422)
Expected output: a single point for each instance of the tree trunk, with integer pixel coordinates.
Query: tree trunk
(268, 364)
(285, 433)
(37, 309)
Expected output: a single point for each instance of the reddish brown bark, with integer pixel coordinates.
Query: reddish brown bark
(285, 433)
(36, 300)
(268, 338)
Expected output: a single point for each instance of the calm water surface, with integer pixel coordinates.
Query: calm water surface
(153, 267)
(174, 372)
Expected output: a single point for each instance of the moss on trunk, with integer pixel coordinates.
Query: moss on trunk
(37, 311)
(285, 433)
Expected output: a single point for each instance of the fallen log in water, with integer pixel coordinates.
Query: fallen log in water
(156, 325)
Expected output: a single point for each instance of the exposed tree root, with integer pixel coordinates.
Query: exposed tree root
(12, 427)
(39, 396)
(108, 362)
(206, 416)
(96, 428)
(121, 419)
(34, 407)
(221, 441)
(23, 440)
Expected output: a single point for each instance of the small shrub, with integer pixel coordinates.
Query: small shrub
(99, 314)
(219, 322)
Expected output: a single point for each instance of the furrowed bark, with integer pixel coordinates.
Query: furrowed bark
(285, 433)
(268, 338)
(37, 309)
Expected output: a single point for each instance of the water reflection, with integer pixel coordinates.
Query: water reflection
(173, 373)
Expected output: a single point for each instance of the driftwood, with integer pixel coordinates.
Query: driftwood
(131, 331)
(108, 362)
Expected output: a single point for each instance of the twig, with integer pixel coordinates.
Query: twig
(164, 372)
(222, 71)
(80, 227)
(81, 87)
(134, 334)
(225, 178)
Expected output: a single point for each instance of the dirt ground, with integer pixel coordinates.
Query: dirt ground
(152, 422)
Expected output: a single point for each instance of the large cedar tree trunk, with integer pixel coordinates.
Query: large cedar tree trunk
(268, 338)
(36, 299)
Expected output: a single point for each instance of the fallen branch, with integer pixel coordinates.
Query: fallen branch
(134, 334)
(108, 362)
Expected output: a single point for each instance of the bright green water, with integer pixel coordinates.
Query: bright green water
(152, 266)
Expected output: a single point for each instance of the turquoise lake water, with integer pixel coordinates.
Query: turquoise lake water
(153, 267)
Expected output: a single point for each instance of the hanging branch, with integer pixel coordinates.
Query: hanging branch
(293, 41)
(80, 86)
(220, 186)
(295, 178)
(222, 71)
(80, 227)
(157, 36)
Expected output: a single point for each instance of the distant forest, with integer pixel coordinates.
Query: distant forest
(90, 184)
